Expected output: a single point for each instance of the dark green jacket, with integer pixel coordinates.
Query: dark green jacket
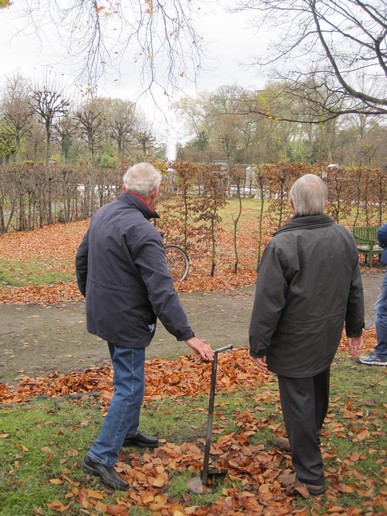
(308, 286)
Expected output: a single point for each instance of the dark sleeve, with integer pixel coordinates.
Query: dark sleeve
(382, 239)
(151, 261)
(268, 303)
(81, 264)
(382, 236)
(354, 319)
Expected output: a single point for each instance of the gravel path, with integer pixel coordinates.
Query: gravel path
(36, 340)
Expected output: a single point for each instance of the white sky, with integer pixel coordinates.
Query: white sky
(229, 39)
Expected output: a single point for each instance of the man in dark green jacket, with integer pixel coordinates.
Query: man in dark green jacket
(308, 287)
(122, 271)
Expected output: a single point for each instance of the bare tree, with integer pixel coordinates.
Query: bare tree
(157, 36)
(48, 103)
(340, 44)
(145, 140)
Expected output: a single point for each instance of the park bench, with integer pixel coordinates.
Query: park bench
(367, 242)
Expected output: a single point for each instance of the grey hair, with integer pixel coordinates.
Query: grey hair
(309, 194)
(142, 179)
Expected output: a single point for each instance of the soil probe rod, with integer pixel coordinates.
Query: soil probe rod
(200, 485)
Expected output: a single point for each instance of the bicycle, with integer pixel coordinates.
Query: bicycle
(178, 262)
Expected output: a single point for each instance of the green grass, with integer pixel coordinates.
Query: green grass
(35, 271)
(249, 216)
(42, 443)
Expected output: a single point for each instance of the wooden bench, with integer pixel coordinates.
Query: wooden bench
(367, 242)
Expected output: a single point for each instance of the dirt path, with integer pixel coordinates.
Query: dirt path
(36, 340)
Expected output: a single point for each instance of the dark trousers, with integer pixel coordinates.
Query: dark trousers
(304, 406)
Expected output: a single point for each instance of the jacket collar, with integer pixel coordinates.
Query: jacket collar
(307, 222)
(132, 199)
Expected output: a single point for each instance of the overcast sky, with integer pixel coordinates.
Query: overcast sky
(229, 40)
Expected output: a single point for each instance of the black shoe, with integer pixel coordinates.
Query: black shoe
(108, 474)
(142, 440)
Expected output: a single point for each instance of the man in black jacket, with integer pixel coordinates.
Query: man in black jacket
(122, 271)
(308, 286)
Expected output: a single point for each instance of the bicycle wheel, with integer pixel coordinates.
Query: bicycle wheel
(178, 262)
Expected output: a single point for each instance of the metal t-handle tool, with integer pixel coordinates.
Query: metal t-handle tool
(200, 485)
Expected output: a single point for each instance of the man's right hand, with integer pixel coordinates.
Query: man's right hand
(355, 345)
(200, 348)
(261, 363)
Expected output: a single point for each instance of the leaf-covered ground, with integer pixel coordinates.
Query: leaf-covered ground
(46, 264)
(50, 440)
(40, 471)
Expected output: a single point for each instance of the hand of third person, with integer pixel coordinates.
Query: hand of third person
(200, 348)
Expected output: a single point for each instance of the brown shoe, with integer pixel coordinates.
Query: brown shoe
(283, 444)
(291, 483)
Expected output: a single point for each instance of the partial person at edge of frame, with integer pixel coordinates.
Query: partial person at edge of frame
(122, 271)
(309, 285)
(378, 357)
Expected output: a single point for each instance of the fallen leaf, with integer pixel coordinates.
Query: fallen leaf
(58, 506)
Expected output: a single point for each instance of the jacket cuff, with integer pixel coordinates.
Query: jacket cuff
(353, 334)
(355, 330)
(257, 354)
(186, 337)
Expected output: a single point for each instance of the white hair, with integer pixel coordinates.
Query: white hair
(309, 195)
(142, 179)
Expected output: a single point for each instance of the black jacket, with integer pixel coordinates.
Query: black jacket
(122, 270)
(308, 286)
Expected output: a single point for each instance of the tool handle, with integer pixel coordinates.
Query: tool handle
(204, 475)
(225, 348)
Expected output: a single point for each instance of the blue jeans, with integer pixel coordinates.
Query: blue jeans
(123, 417)
(381, 320)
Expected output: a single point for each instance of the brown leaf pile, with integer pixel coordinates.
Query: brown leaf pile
(182, 377)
